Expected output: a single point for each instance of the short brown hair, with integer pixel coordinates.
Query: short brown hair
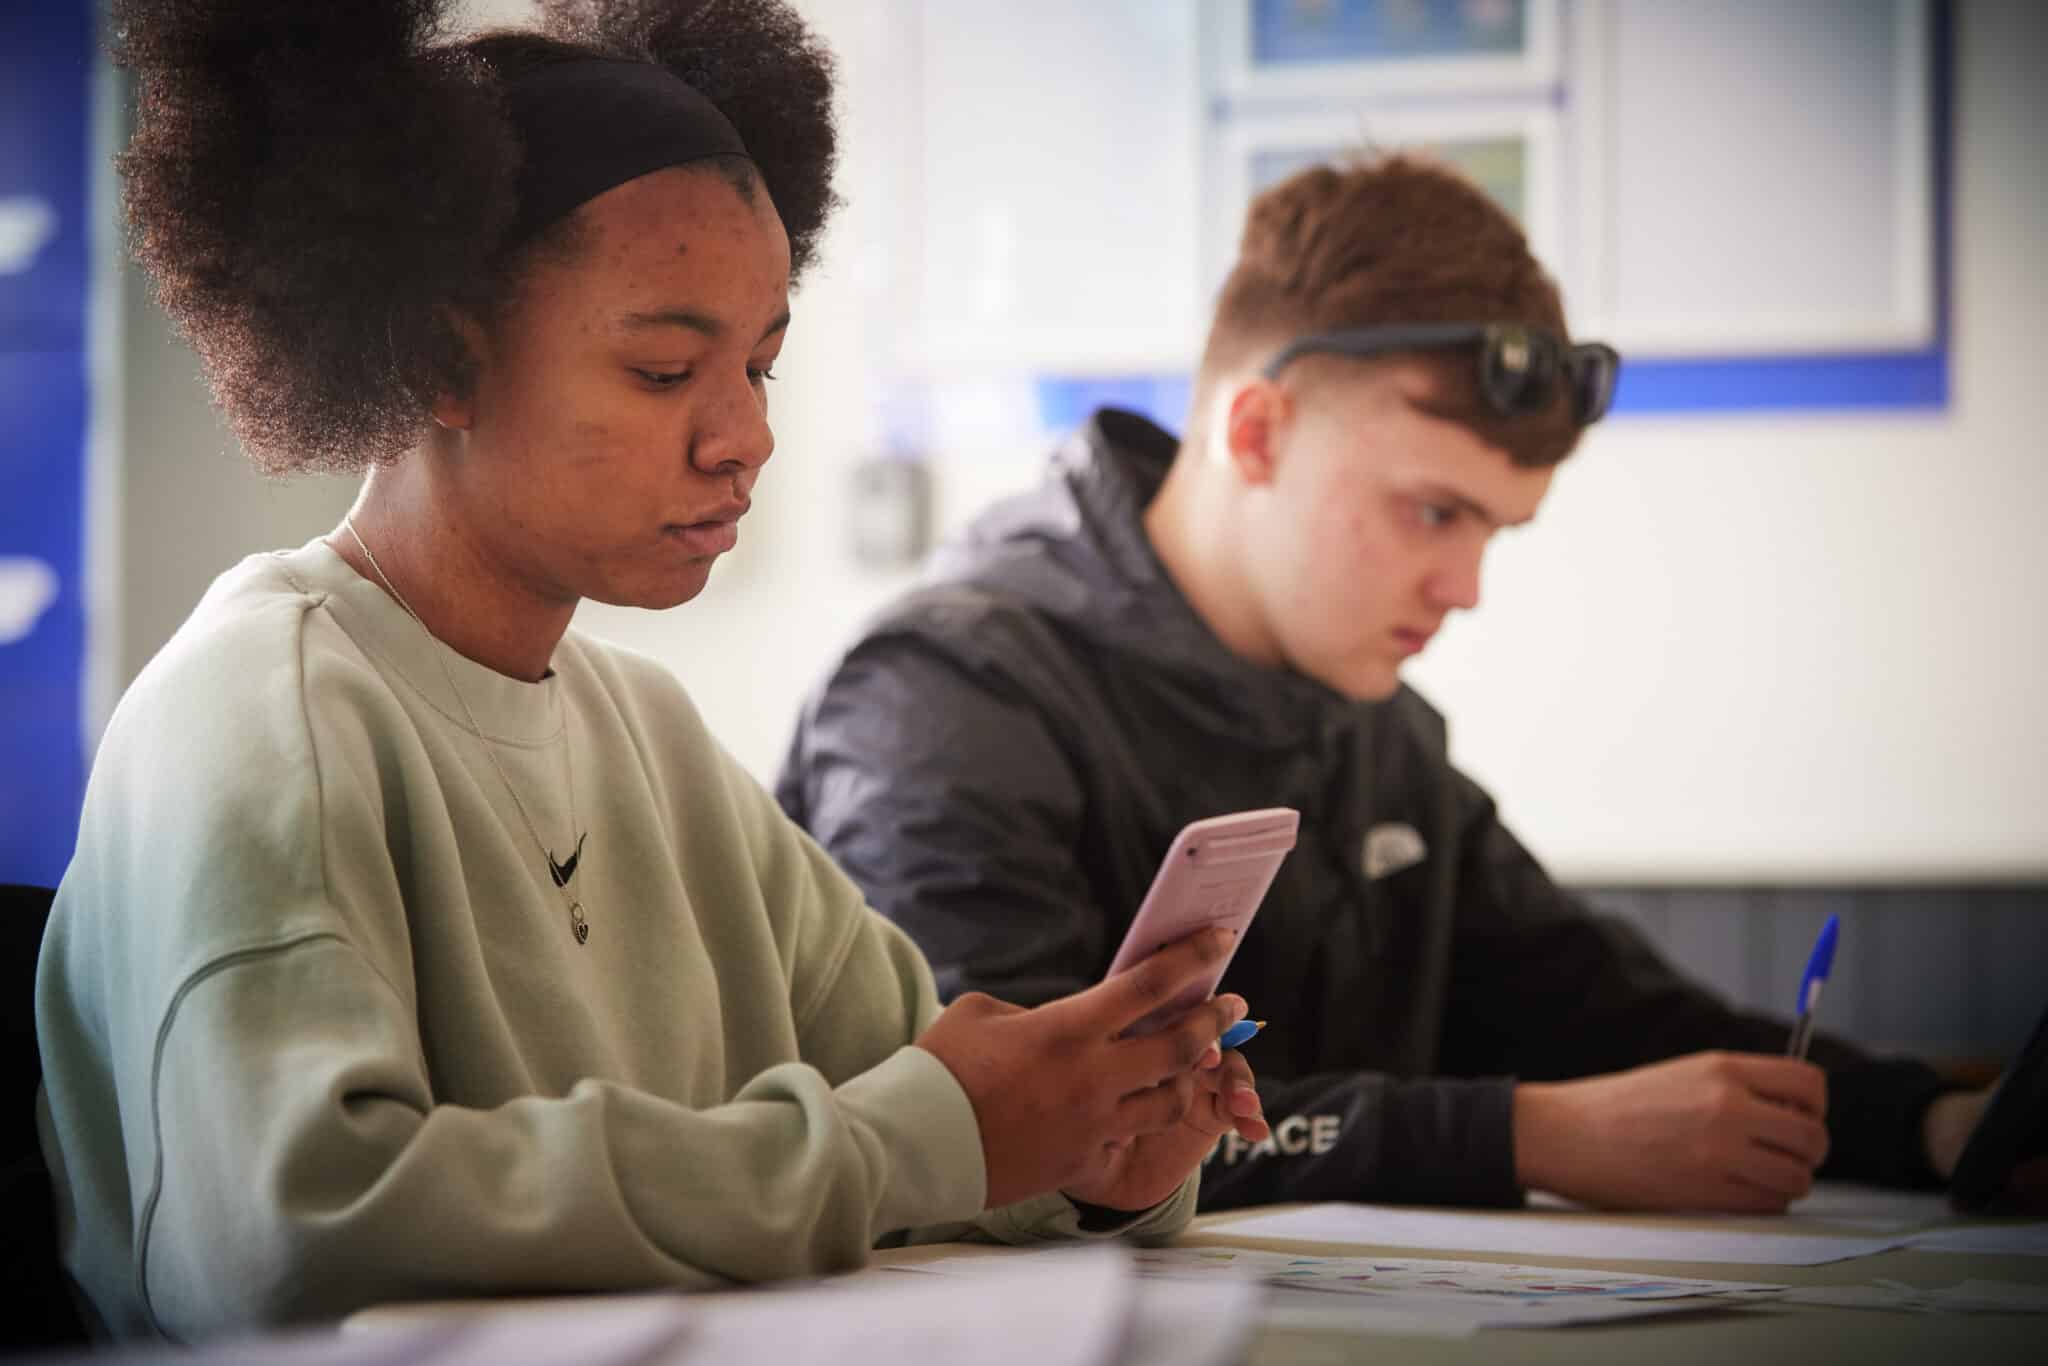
(1390, 239)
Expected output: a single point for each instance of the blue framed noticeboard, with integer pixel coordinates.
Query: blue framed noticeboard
(1285, 32)
(46, 80)
(1312, 48)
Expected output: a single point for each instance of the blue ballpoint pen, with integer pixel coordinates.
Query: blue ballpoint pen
(1818, 964)
(1241, 1032)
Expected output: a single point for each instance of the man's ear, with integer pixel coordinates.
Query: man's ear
(455, 408)
(1253, 427)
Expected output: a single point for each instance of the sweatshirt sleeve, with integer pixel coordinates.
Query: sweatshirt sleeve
(1548, 989)
(874, 991)
(881, 962)
(293, 1162)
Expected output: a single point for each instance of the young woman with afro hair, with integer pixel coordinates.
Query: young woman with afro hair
(415, 944)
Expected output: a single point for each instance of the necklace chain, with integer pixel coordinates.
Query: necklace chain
(578, 926)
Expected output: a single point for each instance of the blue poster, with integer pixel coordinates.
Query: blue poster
(46, 77)
(1287, 32)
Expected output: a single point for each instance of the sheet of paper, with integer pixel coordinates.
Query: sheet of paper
(1070, 1305)
(1417, 1297)
(1314, 1314)
(1169, 1322)
(1182, 1323)
(595, 1327)
(1424, 1318)
(1837, 1204)
(1409, 1296)
(1968, 1297)
(2025, 1239)
(611, 1329)
(1381, 1275)
(1063, 1307)
(1874, 1208)
(1572, 1235)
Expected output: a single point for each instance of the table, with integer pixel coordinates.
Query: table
(1753, 1335)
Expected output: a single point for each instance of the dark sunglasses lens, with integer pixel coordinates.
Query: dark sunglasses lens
(1518, 371)
(1594, 370)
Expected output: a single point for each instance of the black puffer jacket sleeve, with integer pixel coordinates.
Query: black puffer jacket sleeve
(1547, 989)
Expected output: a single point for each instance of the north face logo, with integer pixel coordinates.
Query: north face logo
(1294, 1136)
(1390, 847)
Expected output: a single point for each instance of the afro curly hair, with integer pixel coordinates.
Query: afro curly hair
(320, 190)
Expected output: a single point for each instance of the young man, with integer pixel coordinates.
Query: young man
(1167, 630)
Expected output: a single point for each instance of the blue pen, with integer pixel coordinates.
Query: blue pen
(1241, 1032)
(1818, 964)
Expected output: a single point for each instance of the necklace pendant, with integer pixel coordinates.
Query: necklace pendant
(577, 923)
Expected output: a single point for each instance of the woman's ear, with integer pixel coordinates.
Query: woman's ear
(452, 412)
(1259, 412)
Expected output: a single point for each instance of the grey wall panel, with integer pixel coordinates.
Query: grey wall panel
(1705, 934)
(1945, 972)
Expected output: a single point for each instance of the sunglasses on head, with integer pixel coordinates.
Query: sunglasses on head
(1520, 368)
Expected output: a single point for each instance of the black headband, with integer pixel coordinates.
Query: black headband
(596, 122)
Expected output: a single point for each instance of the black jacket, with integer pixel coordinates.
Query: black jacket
(1005, 755)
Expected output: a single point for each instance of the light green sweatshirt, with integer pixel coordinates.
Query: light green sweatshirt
(316, 1033)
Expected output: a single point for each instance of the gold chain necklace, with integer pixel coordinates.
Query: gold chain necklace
(560, 873)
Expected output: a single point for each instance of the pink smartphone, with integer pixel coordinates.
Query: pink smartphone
(1216, 873)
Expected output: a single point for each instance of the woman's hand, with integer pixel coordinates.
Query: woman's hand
(1059, 1096)
(1139, 1174)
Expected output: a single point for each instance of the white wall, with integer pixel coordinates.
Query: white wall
(1800, 648)
(1718, 620)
